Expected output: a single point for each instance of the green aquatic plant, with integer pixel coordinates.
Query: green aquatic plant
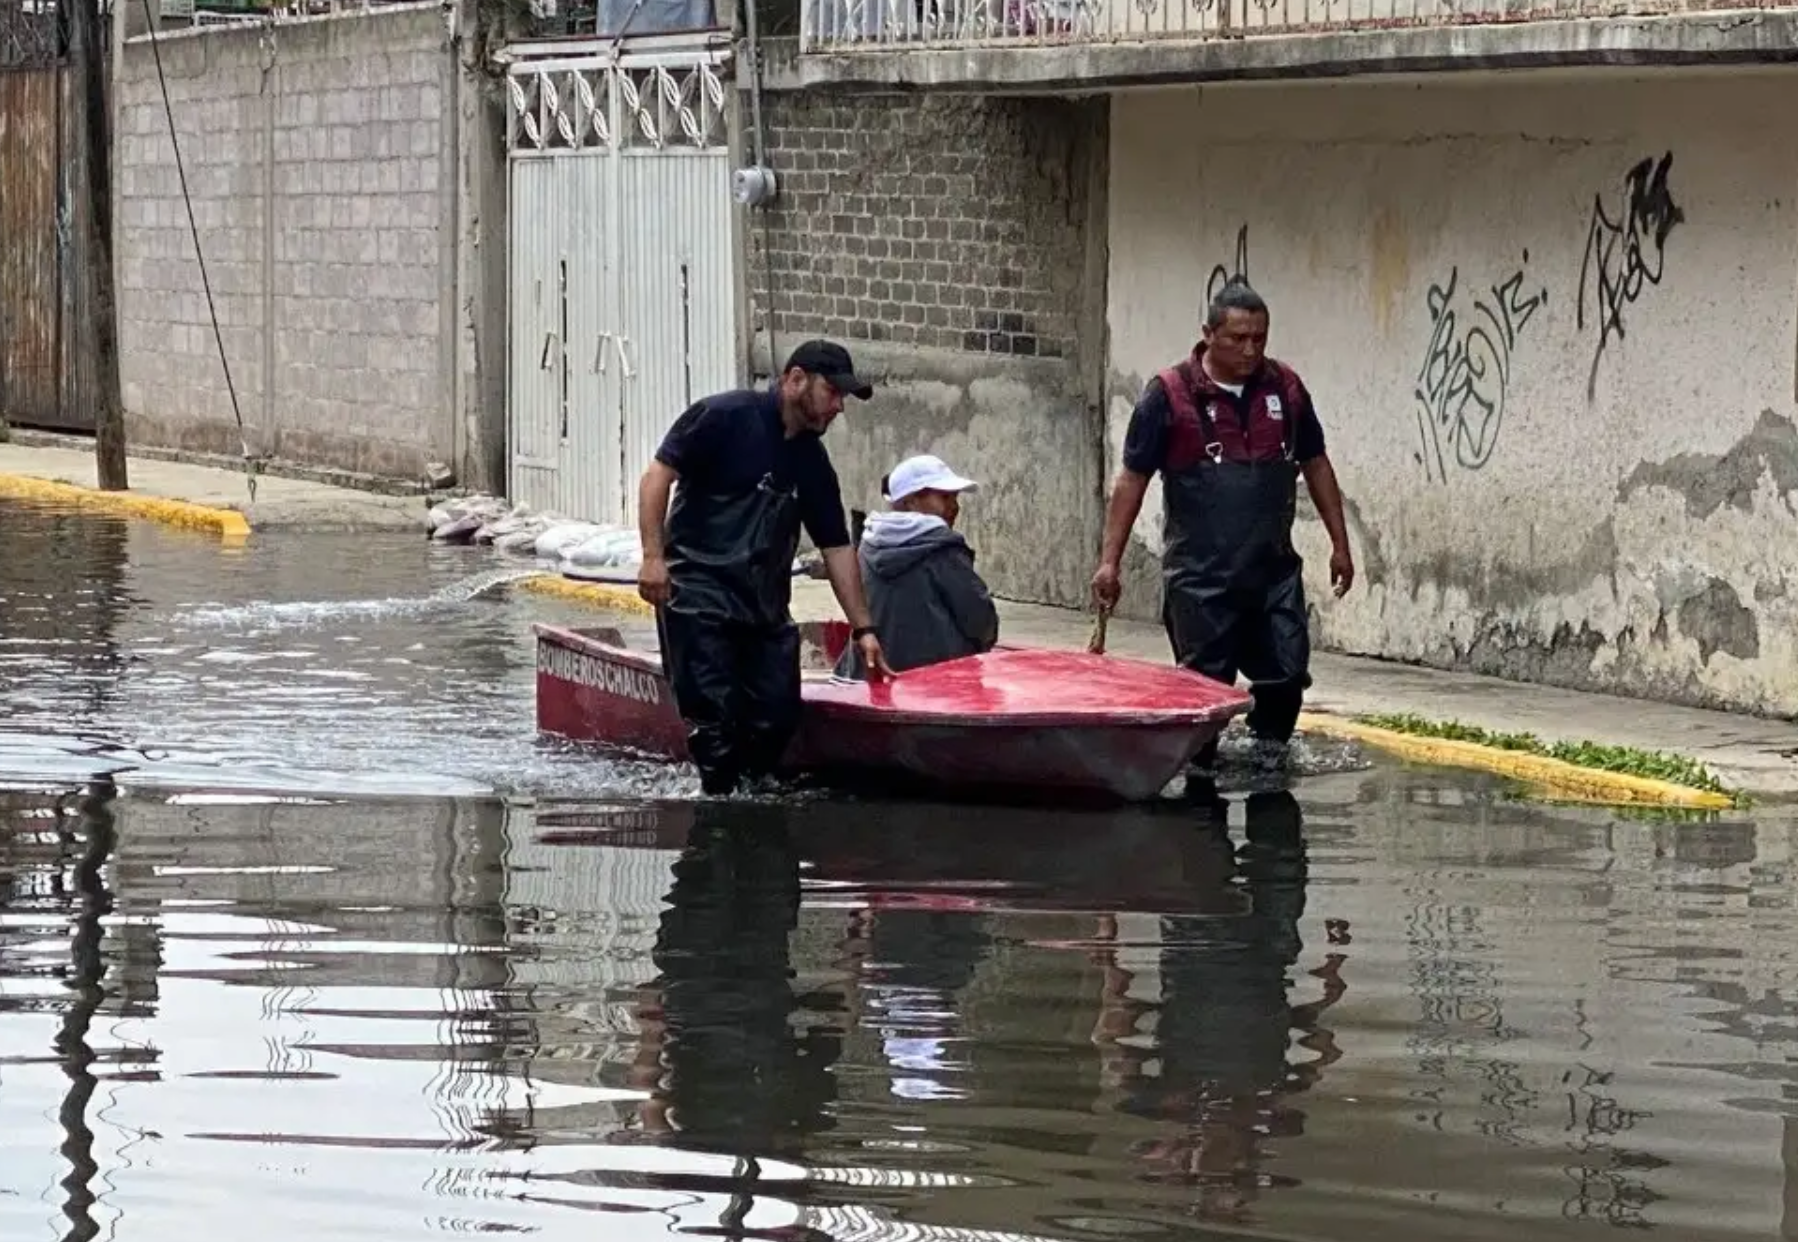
(1651, 764)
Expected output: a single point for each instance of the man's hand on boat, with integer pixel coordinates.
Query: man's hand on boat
(874, 659)
(652, 581)
(844, 569)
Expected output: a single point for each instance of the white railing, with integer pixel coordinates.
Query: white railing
(870, 25)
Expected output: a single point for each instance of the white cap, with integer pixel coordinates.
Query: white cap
(925, 474)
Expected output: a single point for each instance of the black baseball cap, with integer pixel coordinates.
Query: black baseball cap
(832, 361)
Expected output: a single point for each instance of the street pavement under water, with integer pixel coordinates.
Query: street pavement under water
(304, 933)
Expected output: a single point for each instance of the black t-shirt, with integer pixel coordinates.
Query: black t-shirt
(729, 443)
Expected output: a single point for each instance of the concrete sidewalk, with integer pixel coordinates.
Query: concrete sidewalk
(279, 502)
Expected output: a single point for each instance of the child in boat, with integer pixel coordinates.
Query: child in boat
(928, 602)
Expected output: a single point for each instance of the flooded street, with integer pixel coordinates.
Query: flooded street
(297, 661)
(302, 927)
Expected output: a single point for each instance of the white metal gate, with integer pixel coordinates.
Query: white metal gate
(622, 296)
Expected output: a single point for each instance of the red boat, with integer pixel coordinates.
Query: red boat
(1064, 722)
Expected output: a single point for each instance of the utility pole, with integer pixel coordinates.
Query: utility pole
(97, 270)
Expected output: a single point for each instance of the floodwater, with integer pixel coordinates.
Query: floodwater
(303, 932)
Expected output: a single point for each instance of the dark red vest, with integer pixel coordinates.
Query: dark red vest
(1204, 415)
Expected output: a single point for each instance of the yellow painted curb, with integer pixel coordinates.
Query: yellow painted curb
(227, 523)
(612, 596)
(1555, 775)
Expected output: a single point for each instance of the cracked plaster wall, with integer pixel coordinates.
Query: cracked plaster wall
(1515, 509)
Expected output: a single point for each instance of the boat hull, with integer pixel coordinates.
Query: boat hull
(1131, 762)
(593, 689)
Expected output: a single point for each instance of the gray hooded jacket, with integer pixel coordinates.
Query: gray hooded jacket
(928, 602)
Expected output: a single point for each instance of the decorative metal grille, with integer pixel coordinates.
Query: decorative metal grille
(674, 107)
(565, 109)
(609, 105)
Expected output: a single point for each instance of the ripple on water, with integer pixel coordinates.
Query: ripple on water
(1373, 1013)
(374, 663)
(306, 965)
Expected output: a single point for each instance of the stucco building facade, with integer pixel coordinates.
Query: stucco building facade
(1542, 278)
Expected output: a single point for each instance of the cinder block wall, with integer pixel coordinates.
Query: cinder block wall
(949, 223)
(950, 242)
(317, 157)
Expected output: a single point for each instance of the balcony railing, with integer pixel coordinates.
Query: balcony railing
(872, 25)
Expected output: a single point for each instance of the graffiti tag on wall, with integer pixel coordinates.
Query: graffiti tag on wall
(1626, 253)
(1460, 390)
(1221, 275)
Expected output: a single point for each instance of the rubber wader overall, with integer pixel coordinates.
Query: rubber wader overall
(1234, 592)
(729, 644)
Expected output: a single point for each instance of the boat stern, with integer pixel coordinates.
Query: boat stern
(592, 688)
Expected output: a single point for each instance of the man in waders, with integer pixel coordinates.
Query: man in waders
(751, 470)
(1230, 430)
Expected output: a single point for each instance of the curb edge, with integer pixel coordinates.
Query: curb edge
(226, 523)
(613, 597)
(1556, 774)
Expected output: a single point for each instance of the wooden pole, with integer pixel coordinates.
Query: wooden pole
(102, 301)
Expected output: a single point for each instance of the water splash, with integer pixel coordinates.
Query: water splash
(300, 612)
(476, 585)
(264, 615)
(1240, 770)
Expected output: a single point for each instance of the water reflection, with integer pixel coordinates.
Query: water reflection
(62, 594)
(1379, 1008)
(916, 964)
(1225, 1018)
(53, 865)
(735, 1075)
(92, 902)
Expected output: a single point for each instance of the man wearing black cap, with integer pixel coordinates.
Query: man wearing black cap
(752, 470)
